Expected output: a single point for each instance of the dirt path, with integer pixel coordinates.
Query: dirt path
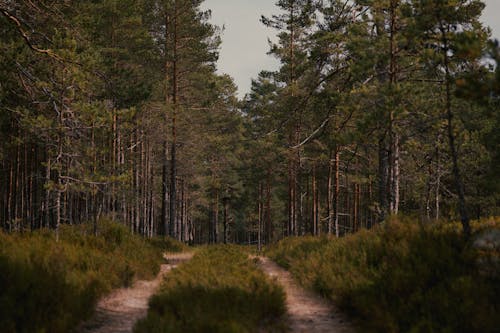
(118, 312)
(307, 312)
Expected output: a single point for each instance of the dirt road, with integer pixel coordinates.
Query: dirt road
(118, 312)
(307, 311)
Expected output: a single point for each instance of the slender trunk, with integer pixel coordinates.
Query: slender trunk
(428, 193)
(164, 219)
(383, 173)
(173, 150)
(269, 224)
(459, 186)
(16, 193)
(184, 227)
(395, 176)
(329, 199)
(137, 187)
(114, 154)
(144, 184)
(47, 195)
(259, 219)
(216, 217)
(393, 152)
(314, 201)
(9, 198)
(335, 201)
(291, 197)
(58, 209)
(164, 190)
(438, 179)
(226, 207)
(357, 198)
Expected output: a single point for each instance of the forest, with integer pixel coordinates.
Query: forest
(114, 112)
(115, 109)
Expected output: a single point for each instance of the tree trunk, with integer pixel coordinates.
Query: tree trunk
(173, 150)
(314, 203)
(269, 224)
(225, 220)
(438, 180)
(459, 185)
(259, 219)
(383, 175)
(335, 201)
(329, 196)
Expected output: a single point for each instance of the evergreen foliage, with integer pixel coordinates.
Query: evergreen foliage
(114, 108)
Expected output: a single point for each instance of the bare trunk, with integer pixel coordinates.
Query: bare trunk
(58, 213)
(173, 150)
(226, 208)
(383, 174)
(314, 203)
(459, 185)
(9, 199)
(438, 180)
(395, 176)
(335, 201)
(329, 199)
(164, 219)
(269, 224)
(259, 219)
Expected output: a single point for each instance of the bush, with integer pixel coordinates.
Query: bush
(168, 244)
(400, 277)
(219, 290)
(49, 286)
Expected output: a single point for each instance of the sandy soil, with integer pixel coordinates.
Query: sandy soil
(118, 312)
(307, 311)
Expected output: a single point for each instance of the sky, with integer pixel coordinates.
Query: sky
(245, 40)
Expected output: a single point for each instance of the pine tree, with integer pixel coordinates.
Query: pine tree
(446, 25)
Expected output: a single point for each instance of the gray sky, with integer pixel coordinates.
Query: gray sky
(244, 41)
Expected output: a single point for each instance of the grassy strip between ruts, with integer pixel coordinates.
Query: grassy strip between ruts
(219, 290)
(401, 277)
(48, 286)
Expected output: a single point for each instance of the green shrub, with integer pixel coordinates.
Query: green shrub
(168, 244)
(219, 290)
(49, 286)
(400, 277)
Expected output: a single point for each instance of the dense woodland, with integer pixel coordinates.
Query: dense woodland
(115, 109)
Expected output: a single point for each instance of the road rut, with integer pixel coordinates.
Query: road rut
(307, 311)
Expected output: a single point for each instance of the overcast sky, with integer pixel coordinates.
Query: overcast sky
(244, 41)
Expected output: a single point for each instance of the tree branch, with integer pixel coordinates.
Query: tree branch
(26, 38)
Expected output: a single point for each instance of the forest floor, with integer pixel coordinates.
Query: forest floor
(307, 312)
(120, 310)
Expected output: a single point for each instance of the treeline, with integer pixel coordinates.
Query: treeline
(378, 108)
(114, 108)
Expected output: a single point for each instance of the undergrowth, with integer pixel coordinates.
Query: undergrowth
(400, 277)
(48, 286)
(219, 290)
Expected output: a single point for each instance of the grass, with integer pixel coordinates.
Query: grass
(49, 286)
(400, 277)
(219, 290)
